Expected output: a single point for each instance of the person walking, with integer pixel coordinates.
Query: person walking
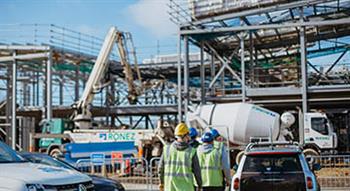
(215, 168)
(193, 134)
(218, 139)
(179, 165)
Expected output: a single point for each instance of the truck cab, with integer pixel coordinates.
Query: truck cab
(318, 132)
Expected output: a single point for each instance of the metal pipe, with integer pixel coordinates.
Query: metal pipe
(49, 87)
(186, 77)
(14, 93)
(179, 79)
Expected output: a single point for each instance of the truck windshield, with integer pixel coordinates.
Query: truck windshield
(7, 155)
(272, 163)
(319, 124)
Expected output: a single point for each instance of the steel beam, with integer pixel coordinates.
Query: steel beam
(225, 65)
(24, 57)
(257, 11)
(14, 100)
(266, 26)
(336, 62)
(23, 47)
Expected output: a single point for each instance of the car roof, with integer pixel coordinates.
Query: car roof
(272, 148)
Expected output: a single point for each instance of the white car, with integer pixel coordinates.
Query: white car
(17, 174)
(273, 167)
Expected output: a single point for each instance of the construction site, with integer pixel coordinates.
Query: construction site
(93, 102)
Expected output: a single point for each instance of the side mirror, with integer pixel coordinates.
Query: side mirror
(316, 167)
(235, 167)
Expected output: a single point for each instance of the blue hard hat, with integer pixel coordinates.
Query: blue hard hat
(193, 132)
(214, 132)
(207, 137)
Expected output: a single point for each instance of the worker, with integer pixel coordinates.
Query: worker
(179, 166)
(220, 144)
(214, 165)
(218, 139)
(193, 134)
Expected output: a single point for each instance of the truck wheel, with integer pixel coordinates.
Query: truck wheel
(239, 157)
(55, 153)
(310, 154)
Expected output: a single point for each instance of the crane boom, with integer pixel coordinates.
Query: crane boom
(82, 115)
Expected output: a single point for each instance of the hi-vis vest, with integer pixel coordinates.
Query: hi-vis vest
(178, 174)
(219, 145)
(211, 167)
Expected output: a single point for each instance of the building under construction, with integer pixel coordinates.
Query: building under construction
(271, 53)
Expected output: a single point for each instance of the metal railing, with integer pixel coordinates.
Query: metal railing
(61, 38)
(142, 174)
(132, 172)
(334, 172)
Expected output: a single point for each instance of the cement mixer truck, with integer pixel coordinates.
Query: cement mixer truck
(240, 122)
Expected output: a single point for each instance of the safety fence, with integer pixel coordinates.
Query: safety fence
(334, 170)
(133, 173)
(142, 174)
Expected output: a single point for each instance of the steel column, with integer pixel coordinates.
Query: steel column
(303, 73)
(60, 84)
(37, 87)
(76, 87)
(49, 87)
(202, 73)
(179, 79)
(186, 77)
(242, 66)
(212, 71)
(14, 99)
(33, 88)
(8, 105)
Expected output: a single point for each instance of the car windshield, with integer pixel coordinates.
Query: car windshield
(272, 163)
(47, 160)
(7, 155)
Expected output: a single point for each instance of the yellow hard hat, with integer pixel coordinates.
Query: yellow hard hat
(181, 129)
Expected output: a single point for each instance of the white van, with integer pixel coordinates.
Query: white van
(17, 174)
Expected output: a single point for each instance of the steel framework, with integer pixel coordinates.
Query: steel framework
(276, 53)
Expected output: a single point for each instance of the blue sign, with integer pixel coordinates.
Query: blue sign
(97, 158)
